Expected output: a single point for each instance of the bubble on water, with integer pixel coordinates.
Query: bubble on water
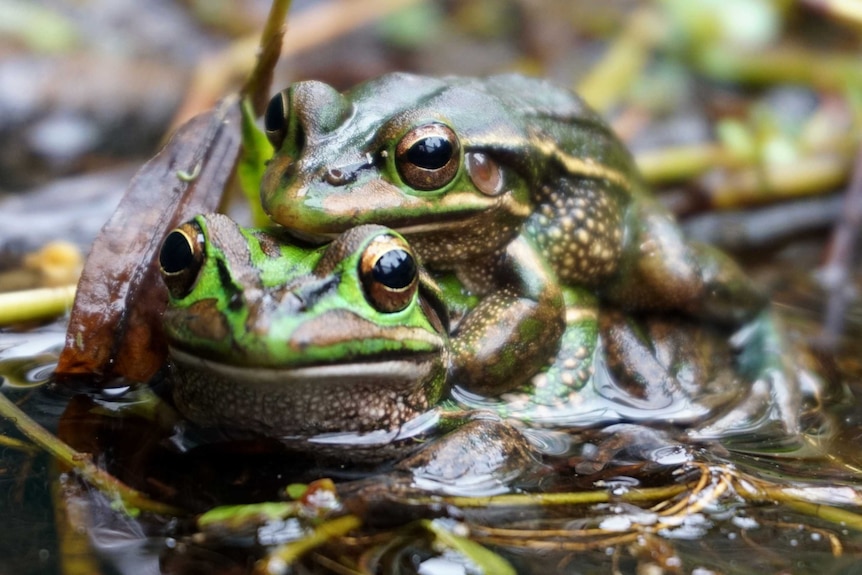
(616, 523)
(671, 455)
(114, 392)
(745, 522)
(441, 566)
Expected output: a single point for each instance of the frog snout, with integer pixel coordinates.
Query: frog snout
(303, 297)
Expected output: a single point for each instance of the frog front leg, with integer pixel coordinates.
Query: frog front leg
(661, 270)
(516, 327)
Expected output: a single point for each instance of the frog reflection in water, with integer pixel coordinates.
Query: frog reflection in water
(511, 183)
(339, 351)
(342, 351)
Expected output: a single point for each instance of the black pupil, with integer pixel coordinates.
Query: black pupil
(176, 254)
(273, 118)
(395, 269)
(431, 153)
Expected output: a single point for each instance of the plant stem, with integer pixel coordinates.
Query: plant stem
(621, 64)
(783, 65)
(131, 499)
(285, 555)
(256, 87)
(34, 304)
(582, 498)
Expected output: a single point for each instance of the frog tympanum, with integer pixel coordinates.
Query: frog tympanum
(512, 183)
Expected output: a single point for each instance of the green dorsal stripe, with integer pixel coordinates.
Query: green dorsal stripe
(585, 167)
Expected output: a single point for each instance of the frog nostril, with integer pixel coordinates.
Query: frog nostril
(291, 303)
(300, 297)
(347, 172)
(334, 177)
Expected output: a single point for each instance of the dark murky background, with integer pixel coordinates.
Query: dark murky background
(89, 89)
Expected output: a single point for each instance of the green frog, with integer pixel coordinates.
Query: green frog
(512, 183)
(346, 338)
(340, 351)
(343, 350)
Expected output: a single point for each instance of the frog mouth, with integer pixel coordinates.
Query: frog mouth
(404, 369)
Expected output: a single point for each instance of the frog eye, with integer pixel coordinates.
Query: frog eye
(389, 274)
(275, 119)
(428, 157)
(180, 259)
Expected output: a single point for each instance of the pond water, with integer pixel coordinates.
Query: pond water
(674, 506)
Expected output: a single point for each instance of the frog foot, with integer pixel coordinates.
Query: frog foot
(772, 402)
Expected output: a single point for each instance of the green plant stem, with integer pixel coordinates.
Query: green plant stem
(622, 62)
(744, 181)
(783, 65)
(680, 163)
(256, 87)
(12, 443)
(285, 555)
(71, 520)
(528, 499)
(763, 493)
(81, 463)
(805, 177)
(35, 304)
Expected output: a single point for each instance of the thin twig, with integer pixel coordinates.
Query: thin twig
(256, 87)
(312, 27)
(747, 229)
(836, 271)
(531, 499)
